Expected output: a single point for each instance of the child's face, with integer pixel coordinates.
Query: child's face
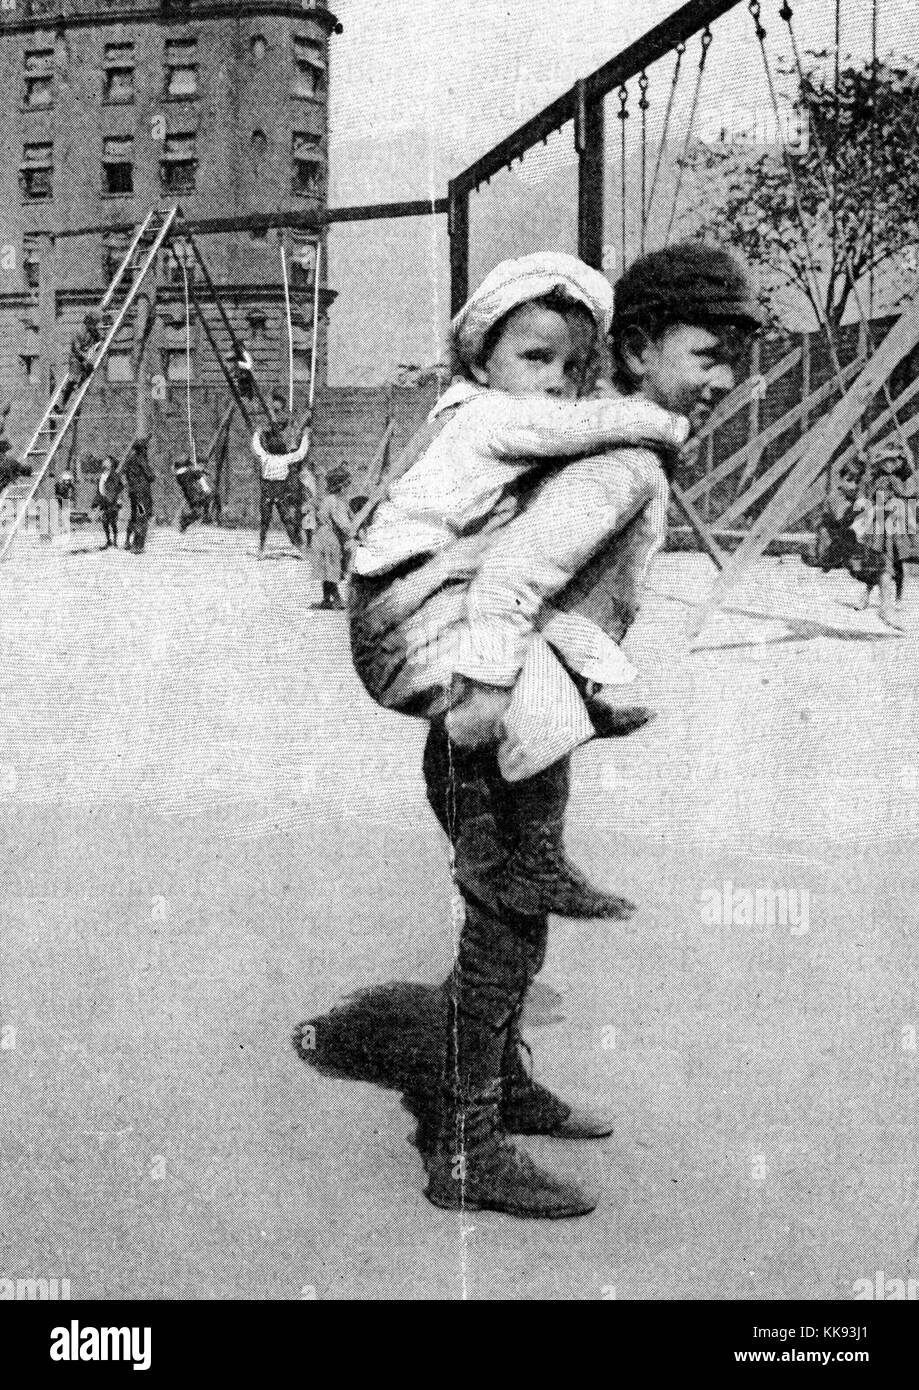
(687, 369)
(540, 353)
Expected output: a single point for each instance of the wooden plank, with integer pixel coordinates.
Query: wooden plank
(883, 420)
(699, 526)
(754, 443)
(740, 397)
(788, 459)
(820, 445)
(772, 432)
(762, 484)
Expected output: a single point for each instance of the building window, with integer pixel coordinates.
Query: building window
(119, 365)
(118, 73)
(114, 250)
(176, 351)
(31, 264)
(259, 142)
(309, 68)
(36, 174)
(302, 260)
(118, 165)
(258, 47)
(178, 255)
(181, 82)
(39, 78)
(308, 165)
(179, 164)
(303, 354)
(29, 362)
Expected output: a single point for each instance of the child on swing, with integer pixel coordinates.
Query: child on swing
(450, 617)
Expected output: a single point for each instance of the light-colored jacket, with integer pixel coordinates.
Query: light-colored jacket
(492, 441)
(276, 467)
(448, 506)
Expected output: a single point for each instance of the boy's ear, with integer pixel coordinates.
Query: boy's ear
(633, 348)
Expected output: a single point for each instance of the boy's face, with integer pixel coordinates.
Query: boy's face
(688, 368)
(540, 353)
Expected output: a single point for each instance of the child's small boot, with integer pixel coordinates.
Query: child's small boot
(539, 877)
(615, 721)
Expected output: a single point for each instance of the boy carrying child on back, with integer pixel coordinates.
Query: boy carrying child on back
(449, 619)
(520, 490)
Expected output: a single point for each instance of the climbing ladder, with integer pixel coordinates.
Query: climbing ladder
(160, 229)
(54, 424)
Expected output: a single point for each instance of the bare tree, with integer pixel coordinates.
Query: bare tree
(853, 151)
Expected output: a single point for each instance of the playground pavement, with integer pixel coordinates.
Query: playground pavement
(209, 834)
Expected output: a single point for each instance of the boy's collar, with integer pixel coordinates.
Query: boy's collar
(457, 393)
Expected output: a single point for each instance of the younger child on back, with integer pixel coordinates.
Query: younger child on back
(450, 614)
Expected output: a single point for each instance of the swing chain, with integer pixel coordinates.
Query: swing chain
(786, 12)
(622, 114)
(643, 84)
(754, 8)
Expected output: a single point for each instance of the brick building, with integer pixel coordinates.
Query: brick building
(115, 107)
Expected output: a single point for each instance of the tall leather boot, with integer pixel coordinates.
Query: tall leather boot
(508, 836)
(470, 1163)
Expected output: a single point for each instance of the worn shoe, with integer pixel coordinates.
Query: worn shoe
(540, 878)
(528, 1108)
(480, 1171)
(507, 1181)
(615, 721)
(537, 1111)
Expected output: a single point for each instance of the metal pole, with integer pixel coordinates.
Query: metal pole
(290, 333)
(315, 324)
(589, 139)
(459, 247)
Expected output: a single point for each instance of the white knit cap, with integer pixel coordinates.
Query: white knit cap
(517, 282)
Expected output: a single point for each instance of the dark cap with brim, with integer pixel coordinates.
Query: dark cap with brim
(690, 282)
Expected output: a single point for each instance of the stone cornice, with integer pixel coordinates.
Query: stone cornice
(68, 16)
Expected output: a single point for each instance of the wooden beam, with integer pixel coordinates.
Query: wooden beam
(769, 435)
(755, 446)
(699, 525)
(820, 445)
(761, 484)
(741, 396)
(910, 428)
(378, 212)
(789, 458)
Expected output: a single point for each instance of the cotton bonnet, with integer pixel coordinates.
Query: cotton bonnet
(519, 281)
